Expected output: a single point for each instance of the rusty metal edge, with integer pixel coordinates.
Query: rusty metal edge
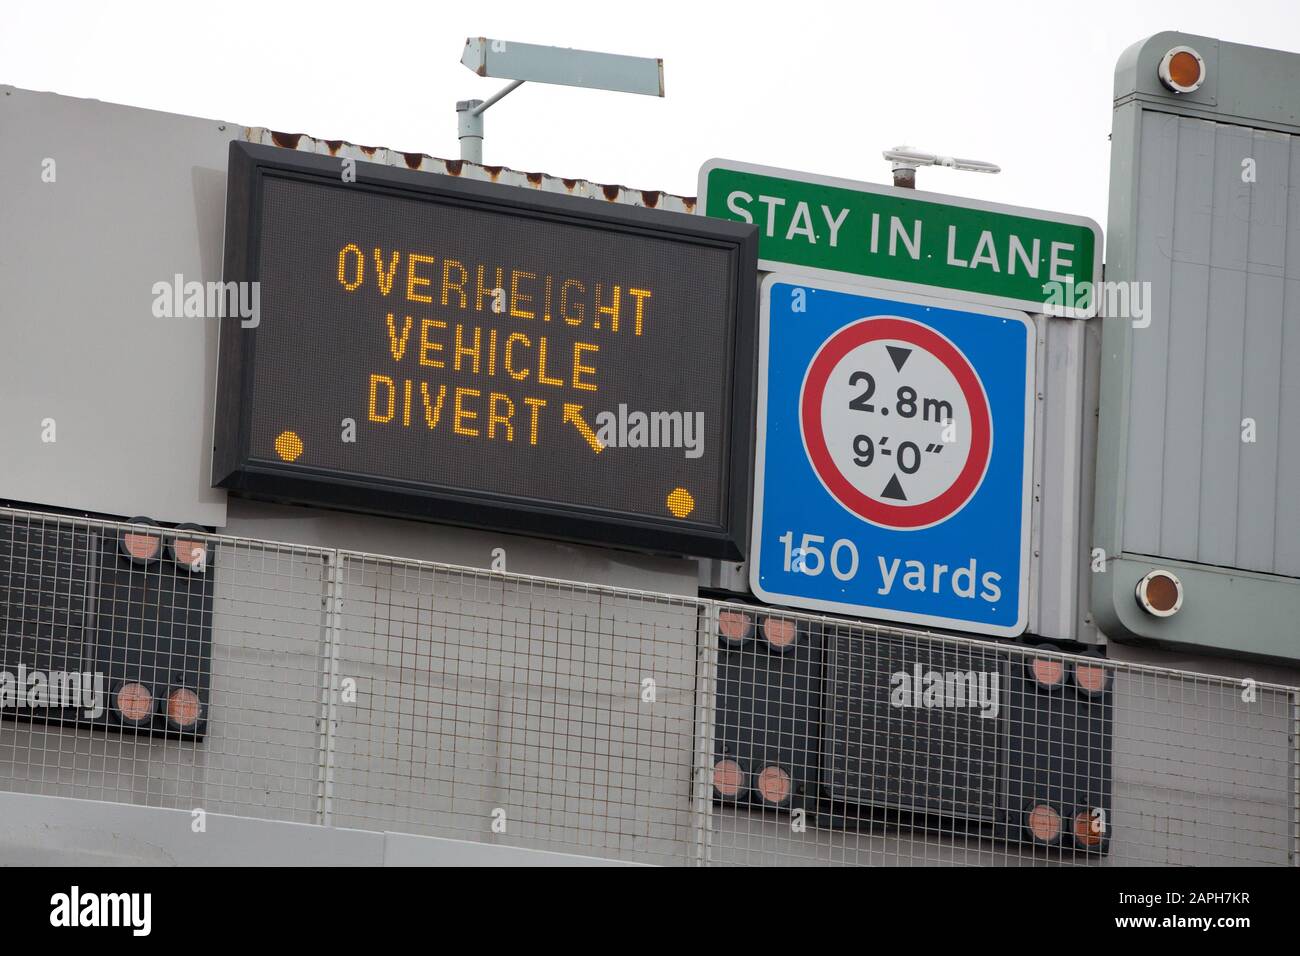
(423, 162)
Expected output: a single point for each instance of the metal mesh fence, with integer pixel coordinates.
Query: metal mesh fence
(334, 687)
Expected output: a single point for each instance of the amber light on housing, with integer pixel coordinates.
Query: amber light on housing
(1182, 70)
(1160, 593)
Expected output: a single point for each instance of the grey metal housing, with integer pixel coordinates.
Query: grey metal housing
(1205, 207)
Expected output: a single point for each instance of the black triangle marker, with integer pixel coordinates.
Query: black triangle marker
(894, 490)
(899, 355)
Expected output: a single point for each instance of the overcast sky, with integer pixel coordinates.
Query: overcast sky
(809, 85)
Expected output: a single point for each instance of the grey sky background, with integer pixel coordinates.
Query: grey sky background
(813, 85)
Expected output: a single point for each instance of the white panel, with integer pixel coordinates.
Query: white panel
(137, 197)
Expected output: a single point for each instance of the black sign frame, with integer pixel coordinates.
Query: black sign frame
(234, 469)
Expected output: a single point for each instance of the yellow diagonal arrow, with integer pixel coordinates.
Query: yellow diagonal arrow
(573, 413)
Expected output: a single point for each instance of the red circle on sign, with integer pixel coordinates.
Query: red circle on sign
(810, 402)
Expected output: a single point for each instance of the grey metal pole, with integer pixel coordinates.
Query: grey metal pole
(499, 94)
(469, 125)
(469, 122)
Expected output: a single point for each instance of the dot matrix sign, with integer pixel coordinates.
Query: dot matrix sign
(487, 355)
(892, 476)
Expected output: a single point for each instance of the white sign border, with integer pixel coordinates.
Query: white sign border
(897, 285)
(811, 279)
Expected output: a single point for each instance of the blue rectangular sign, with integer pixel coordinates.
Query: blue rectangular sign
(894, 452)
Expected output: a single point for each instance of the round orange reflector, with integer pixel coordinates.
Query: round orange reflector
(183, 707)
(1047, 672)
(728, 778)
(189, 553)
(733, 625)
(773, 785)
(1184, 69)
(1090, 677)
(1043, 823)
(1088, 830)
(134, 702)
(780, 634)
(141, 547)
(1160, 593)
(1181, 70)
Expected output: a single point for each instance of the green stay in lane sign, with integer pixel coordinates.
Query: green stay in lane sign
(978, 252)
